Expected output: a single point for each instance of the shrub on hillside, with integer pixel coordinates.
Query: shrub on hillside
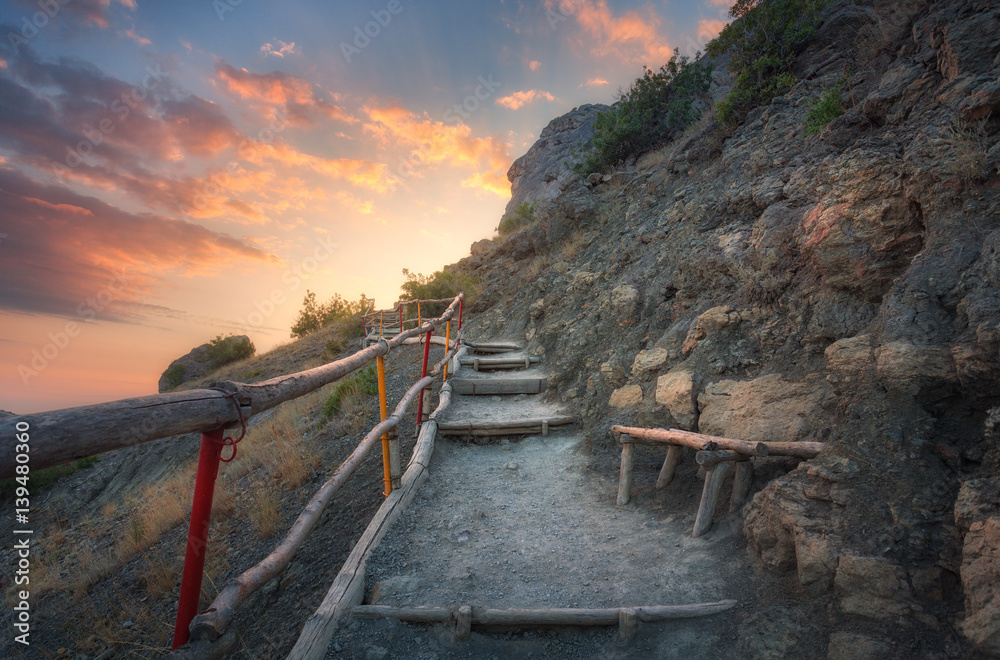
(442, 284)
(359, 384)
(764, 38)
(654, 110)
(824, 110)
(314, 315)
(522, 216)
(224, 350)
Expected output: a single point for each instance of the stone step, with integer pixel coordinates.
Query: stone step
(481, 386)
(525, 426)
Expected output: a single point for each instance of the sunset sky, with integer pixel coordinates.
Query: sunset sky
(171, 171)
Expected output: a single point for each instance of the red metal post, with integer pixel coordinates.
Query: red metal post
(201, 514)
(423, 374)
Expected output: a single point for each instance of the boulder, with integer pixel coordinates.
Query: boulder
(629, 396)
(198, 363)
(980, 577)
(649, 360)
(847, 359)
(677, 391)
(872, 587)
(768, 408)
(852, 646)
(539, 174)
(793, 525)
(909, 368)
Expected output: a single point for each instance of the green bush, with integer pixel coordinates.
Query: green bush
(764, 38)
(360, 383)
(43, 479)
(442, 284)
(174, 375)
(224, 350)
(314, 316)
(522, 216)
(824, 110)
(653, 111)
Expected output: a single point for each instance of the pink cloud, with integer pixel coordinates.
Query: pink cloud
(633, 35)
(520, 99)
(709, 28)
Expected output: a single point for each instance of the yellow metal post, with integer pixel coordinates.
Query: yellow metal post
(420, 320)
(384, 410)
(447, 347)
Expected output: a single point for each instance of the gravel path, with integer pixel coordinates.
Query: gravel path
(527, 524)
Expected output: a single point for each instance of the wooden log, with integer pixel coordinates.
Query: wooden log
(480, 363)
(483, 386)
(689, 439)
(625, 475)
(394, 470)
(205, 650)
(342, 596)
(714, 478)
(493, 347)
(708, 459)
(669, 466)
(211, 624)
(470, 427)
(61, 436)
(741, 485)
(628, 623)
(551, 616)
(463, 622)
(805, 450)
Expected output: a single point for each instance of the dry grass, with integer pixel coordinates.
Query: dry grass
(264, 511)
(536, 267)
(161, 573)
(572, 248)
(964, 145)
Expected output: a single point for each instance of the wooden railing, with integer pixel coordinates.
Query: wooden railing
(61, 436)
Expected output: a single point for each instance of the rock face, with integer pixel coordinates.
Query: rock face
(198, 363)
(840, 287)
(538, 174)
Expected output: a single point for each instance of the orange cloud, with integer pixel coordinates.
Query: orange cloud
(595, 82)
(534, 65)
(492, 182)
(142, 41)
(632, 36)
(435, 142)
(709, 28)
(523, 98)
(363, 173)
(720, 3)
(297, 95)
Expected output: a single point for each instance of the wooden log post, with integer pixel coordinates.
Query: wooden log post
(669, 466)
(628, 624)
(741, 485)
(394, 470)
(625, 476)
(714, 478)
(693, 440)
(463, 622)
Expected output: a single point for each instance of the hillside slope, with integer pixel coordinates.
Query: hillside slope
(766, 284)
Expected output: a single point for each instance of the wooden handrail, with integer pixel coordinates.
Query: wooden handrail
(61, 436)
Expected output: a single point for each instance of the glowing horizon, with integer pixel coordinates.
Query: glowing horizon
(174, 171)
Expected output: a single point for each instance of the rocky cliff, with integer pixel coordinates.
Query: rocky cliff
(761, 283)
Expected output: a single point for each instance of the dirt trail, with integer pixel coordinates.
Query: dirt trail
(527, 524)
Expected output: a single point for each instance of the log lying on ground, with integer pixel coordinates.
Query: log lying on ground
(549, 616)
(347, 589)
(496, 363)
(511, 427)
(481, 386)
